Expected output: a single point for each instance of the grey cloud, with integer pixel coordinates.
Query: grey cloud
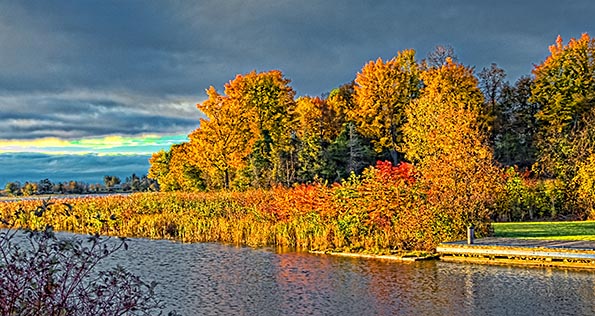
(155, 59)
(81, 126)
(79, 118)
(177, 47)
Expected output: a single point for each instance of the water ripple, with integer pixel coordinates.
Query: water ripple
(216, 279)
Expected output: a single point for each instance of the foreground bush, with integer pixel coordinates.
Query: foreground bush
(41, 274)
(528, 198)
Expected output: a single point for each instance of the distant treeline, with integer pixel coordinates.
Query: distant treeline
(132, 183)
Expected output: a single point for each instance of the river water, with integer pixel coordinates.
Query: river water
(216, 279)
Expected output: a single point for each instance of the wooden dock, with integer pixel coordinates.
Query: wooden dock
(534, 252)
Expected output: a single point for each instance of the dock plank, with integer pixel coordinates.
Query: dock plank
(528, 243)
(566, 253)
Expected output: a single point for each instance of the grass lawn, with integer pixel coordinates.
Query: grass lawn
(547, 230)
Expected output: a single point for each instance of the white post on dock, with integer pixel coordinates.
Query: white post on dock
(470, 234)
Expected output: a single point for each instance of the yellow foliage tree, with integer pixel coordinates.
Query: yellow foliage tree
(251, 121)
(565, 89)
(340, 103)
(585, 181)
(221, 144)
(443, 137)
(270, 100)
(175, 170)
(315, 116)
(382, 91)
(159, 167)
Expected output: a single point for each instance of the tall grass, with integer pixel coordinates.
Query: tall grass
(385, 210)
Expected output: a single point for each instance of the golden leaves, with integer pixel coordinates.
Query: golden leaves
(382, 91)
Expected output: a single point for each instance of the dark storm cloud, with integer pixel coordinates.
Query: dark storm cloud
(86, 168)
(128, 67)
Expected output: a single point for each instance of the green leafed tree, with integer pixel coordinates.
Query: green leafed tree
(348, 153)
(516, 125)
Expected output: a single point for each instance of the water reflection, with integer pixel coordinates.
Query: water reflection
(215, 279)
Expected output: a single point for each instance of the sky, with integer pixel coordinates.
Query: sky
(92, 88)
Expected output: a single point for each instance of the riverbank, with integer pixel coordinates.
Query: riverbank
(40, 197)
(403, 257)
(541, 244)
(308, 218)
(550, 244)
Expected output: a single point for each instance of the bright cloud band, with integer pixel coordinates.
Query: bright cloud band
(109, 145)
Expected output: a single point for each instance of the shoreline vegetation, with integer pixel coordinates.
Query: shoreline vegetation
(228, 217)
(369, 213)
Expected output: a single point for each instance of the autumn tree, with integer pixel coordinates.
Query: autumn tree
(246, 138)
(175, 169)
(341, 101)
(111, 181)
(159, 167)
(29, 188)
(270, 100)
(312, 131)
(445, 141)
(565, 89)
(75, 187)
(13, 188)
(585, 186)
(223, 141)
(184, 173)
(382, 91)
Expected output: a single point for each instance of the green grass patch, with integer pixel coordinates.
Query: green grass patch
(584, 230)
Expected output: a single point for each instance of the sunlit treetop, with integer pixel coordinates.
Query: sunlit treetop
(565, 83)
(382, 91)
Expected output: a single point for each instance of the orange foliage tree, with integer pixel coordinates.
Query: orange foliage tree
(444, 139)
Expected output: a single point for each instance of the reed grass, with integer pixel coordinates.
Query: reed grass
(382, 212)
